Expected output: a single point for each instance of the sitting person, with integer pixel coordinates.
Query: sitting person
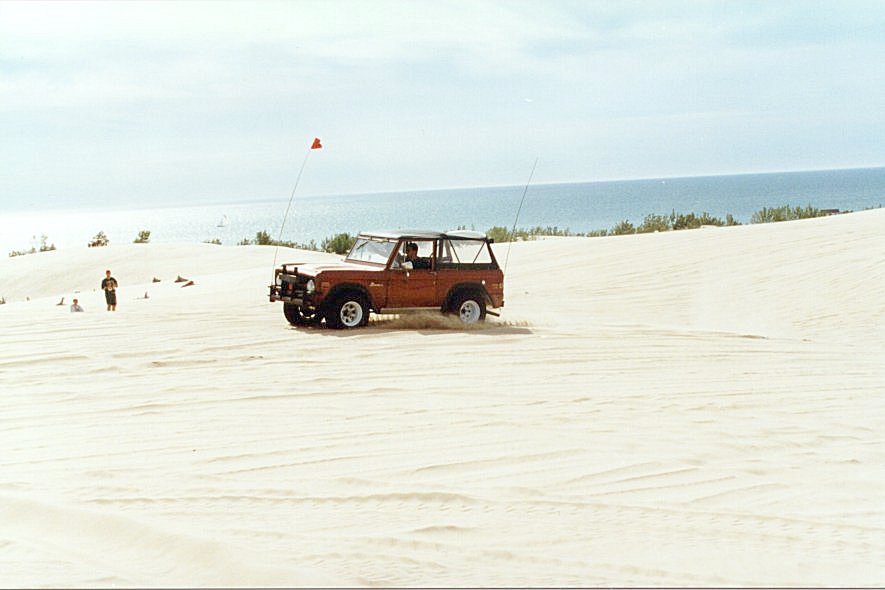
(76, 306)
(412, 257)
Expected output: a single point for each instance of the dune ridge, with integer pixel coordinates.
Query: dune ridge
(696, 408)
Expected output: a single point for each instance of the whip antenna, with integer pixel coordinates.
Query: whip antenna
(316, 145)
(515, 221)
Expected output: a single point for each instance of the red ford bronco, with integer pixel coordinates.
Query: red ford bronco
(394, 272)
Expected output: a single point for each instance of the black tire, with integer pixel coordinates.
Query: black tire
(469, 306)
(346, 311)
(297, 317)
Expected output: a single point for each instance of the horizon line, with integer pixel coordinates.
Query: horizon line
(244, 200)
(595, 181)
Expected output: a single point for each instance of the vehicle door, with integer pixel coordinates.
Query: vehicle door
(415, 287)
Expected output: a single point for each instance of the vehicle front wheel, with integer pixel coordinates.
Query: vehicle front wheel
(297, 316)
(470, 307)
(348, 311)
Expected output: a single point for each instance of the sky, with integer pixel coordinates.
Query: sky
(154, 103)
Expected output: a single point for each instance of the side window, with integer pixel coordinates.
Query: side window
(425, 250)
(423, 259)
(465, 254)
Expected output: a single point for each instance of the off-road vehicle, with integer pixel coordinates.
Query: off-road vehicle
(453, 272)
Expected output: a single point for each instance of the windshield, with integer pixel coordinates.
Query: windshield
(373, 250)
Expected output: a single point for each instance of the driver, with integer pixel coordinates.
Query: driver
(412, 256)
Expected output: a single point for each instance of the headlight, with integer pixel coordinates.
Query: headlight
(311, 286)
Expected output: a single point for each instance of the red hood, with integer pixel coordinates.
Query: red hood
(314, 268)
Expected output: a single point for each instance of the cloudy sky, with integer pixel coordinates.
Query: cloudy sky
(164, 102)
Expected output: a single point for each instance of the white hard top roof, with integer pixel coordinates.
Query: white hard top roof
(423, 234)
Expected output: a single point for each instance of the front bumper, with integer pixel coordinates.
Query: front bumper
(290, 287)
(277, 294)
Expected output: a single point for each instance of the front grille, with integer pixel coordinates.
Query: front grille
(293, 286)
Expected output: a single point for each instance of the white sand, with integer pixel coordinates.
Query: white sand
(696, 408)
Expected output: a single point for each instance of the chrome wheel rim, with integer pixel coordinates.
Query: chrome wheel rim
(351, 314)
(470, 312)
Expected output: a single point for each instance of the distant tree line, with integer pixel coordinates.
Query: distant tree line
(34, 249)
(342, 243)
(786, 213)
(337, 244)
(659, 223)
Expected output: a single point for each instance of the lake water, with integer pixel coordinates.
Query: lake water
(579, 207)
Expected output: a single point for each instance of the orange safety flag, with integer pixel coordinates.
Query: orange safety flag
(316, 144)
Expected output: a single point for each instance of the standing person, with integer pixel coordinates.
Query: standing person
(109, 285)
(76, 306)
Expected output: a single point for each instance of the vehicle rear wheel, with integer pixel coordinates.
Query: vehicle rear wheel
(350, 310)
(297, 316)
(470, 307)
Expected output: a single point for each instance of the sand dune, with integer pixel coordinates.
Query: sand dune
(697, 408)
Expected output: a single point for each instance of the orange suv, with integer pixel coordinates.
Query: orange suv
(394, 272)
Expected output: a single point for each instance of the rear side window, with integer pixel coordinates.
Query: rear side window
(465, 254)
